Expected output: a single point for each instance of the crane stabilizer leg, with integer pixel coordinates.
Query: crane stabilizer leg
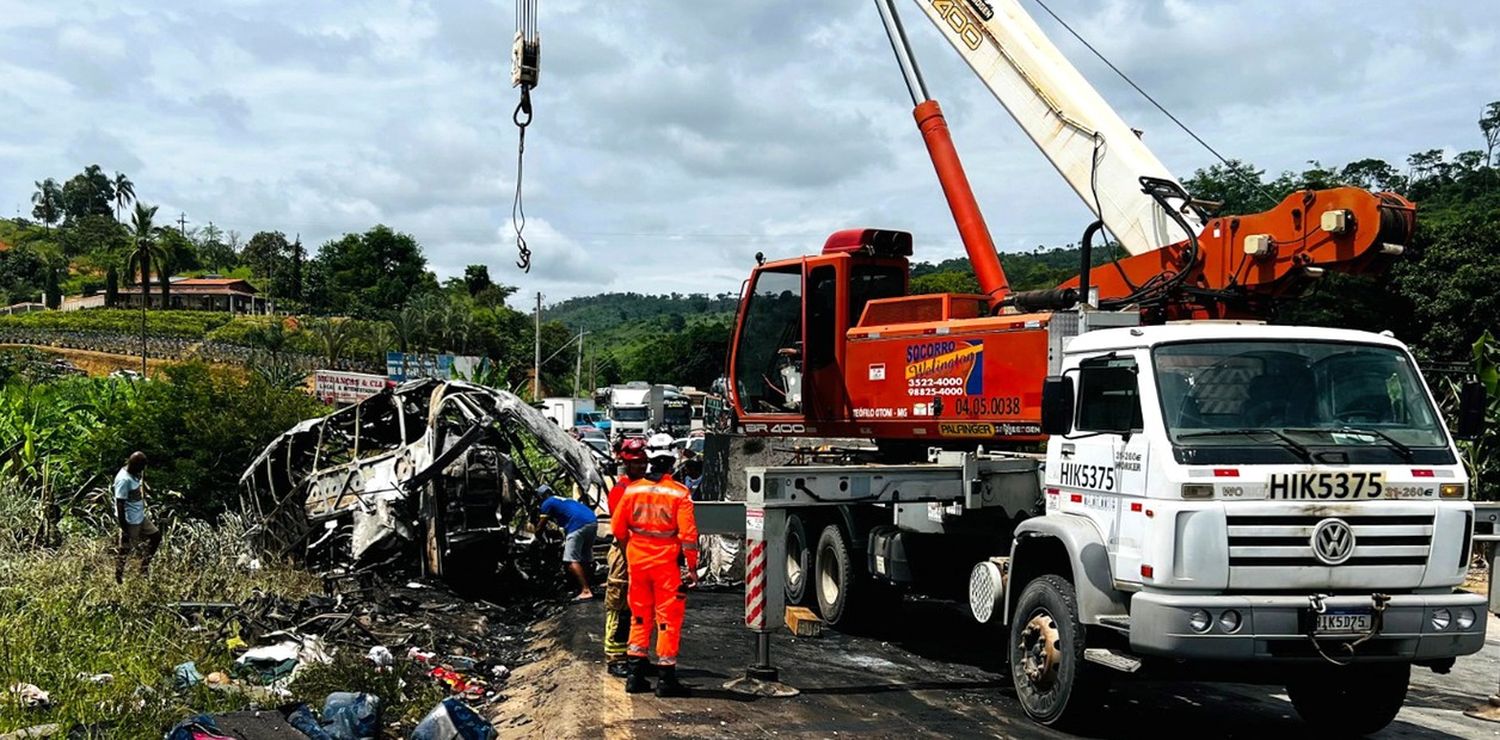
(972, 229)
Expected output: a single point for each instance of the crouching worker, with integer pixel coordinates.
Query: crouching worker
(130, 512)
(631, 454)
(656, 523)
(579, 526)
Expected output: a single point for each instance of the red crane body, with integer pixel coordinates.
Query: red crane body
(832, 345)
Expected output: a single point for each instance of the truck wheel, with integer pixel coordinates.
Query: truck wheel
(835, 576)
(1349, 700)
(798, 561)
(1054, 684)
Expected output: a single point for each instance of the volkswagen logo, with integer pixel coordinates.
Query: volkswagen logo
(1333, 541)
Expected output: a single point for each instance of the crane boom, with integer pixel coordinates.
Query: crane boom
(1100, 156)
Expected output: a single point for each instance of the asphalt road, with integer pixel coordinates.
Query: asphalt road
(928, 671)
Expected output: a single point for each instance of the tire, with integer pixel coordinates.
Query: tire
(835, 577)
(1054, 684)
(1349, 701)
(798, 566)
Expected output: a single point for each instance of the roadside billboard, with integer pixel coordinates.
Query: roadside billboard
(338, 387)
(402, 366)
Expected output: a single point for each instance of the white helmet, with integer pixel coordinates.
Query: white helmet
(659, 445)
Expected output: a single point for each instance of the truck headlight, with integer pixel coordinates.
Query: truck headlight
(1200, 620)
(1465, 618)
(1452, 490)
(1229, 621)
(1441, 619)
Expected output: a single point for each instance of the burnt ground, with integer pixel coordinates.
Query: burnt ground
(929, 672)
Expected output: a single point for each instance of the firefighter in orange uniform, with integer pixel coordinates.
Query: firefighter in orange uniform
(631, 455)
(655, 521)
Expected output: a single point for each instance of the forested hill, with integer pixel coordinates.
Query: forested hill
(604, 312)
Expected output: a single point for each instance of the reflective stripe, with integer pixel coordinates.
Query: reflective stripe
(690, 546)
(653, 533)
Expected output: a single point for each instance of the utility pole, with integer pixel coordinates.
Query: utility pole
(536, 370)
(182, 223)
(578, 365)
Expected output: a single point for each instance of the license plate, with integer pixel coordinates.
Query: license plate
(1338, 486)
(1342, 623)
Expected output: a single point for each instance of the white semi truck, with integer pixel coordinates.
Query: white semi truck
(629, 409)
(1240, 502)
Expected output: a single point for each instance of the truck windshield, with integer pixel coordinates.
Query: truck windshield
(630, 413)
(1282, 401)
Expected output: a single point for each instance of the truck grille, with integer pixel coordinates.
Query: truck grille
(1275, 540)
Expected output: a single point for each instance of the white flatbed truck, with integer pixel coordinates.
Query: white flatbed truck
(1266, 503)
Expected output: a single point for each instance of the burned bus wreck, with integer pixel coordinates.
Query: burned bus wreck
(438, 471)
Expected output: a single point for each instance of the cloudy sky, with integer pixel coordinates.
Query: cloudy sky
(673, 140)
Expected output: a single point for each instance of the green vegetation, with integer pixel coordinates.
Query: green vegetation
(200, 427)
(186, 324)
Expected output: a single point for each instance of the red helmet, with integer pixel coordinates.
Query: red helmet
(632, 449)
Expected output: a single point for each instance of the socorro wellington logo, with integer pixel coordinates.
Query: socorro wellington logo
(949, 363)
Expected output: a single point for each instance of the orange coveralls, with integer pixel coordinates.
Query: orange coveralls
(655, 521)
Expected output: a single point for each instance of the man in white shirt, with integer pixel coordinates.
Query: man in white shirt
(130, 511)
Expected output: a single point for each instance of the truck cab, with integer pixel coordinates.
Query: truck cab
(1282, 495)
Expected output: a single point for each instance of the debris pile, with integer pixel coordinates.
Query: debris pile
(421, 631)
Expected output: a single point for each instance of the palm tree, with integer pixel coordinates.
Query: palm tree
(124, 193)
(48, 202)
(334, 335)
(146, 249)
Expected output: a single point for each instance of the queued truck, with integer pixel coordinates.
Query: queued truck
(629, 409)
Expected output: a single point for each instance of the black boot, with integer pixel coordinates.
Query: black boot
(668, 687)
(636, 682)
(618, 669)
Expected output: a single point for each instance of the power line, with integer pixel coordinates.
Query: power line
(1159, 106)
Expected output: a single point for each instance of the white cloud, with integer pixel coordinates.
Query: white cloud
(673, 142)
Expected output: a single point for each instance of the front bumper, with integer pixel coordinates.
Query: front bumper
(1270, 627)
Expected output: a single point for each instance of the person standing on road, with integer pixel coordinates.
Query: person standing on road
(655, 521)
(130, 512)
(580, 526)
(631, 455)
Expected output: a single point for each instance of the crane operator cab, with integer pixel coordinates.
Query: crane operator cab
(786, 363)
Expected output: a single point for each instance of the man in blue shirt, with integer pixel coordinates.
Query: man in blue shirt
(580, 526)
(130, 512)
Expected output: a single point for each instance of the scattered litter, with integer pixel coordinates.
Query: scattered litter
(453, 720)
(30, 696)
(415, 584)
(201, 727)
(351, 716)
(235, 643)
(280, 660)
(381, 656)
(500, 672)
(216, 679)
(458, 683)
(96, 678)
(186, 675)
(301, 718)
(420, 656)
(459, 662)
